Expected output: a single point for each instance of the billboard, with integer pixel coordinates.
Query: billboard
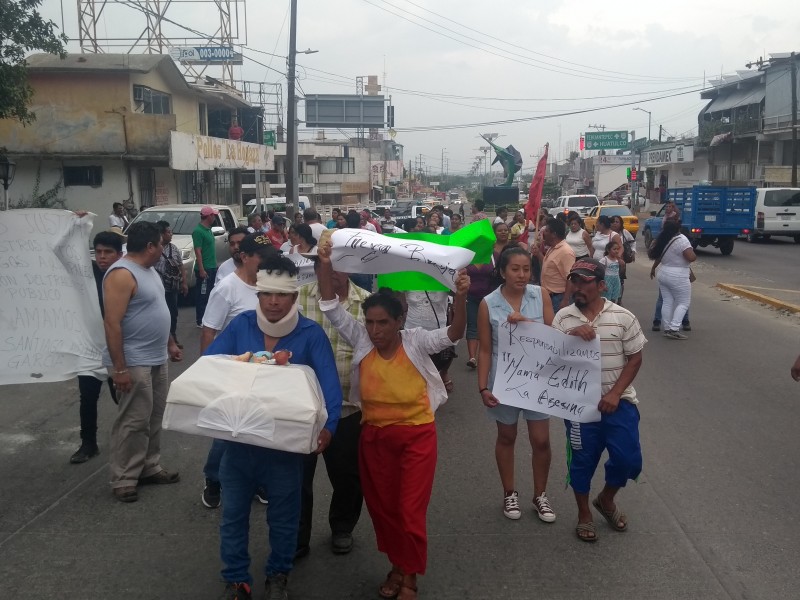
(194, 152)
(205, 55)
(345, 111)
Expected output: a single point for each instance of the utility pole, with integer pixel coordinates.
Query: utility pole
(793, 68)
(660, 129)
(597, 127)
(293, 185)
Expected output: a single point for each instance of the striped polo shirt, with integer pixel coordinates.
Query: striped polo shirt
(620, 336)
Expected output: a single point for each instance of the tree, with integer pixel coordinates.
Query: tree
(22, 29)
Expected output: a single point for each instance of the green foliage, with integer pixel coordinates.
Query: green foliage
(47, 199)
(22, 29)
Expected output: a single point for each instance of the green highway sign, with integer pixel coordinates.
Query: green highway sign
(269, 138)
(606, 140)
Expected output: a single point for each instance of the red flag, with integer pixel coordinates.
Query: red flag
(535, 193)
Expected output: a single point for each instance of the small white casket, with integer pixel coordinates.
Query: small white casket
(280, 407)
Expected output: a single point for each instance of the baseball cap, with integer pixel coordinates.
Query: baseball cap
(588, 269)
(208, 210)
(254, 242)
(278, 220)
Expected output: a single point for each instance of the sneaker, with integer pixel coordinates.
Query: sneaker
(261, 495)
(543, 509)
(511, 506)
(686, 326)
(675, 335)
(275, 587)
(84, 453)
(656, 325)
(236, 591)
(211, 494)
(163, 477)
(341, 542)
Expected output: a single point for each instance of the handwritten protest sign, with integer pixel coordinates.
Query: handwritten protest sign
(50, 323)
(363, 251)
(307, 273)
(543, 369)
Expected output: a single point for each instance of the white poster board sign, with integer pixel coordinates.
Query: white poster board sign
(307, 273)
(363, 251)
(49, 313)
(540, 368)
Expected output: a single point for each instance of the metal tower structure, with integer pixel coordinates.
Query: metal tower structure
(162, 33)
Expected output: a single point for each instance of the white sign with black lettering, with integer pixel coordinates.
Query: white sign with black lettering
(49, 313)
(363, 251)
(540, 368)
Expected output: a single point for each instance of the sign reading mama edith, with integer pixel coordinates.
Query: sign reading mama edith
(193, 152)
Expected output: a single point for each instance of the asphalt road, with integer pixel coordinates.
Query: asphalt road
(712, 517)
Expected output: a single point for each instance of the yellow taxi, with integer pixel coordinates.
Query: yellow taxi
(629, 220)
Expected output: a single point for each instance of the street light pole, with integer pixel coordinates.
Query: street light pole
(292, 180)
(649, 121)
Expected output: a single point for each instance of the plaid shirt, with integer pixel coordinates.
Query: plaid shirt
(308, 299)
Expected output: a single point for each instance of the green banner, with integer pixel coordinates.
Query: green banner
(478, 237)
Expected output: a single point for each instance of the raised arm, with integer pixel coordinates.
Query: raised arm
(456, 330)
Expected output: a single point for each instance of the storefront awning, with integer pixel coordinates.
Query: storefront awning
(737, 98)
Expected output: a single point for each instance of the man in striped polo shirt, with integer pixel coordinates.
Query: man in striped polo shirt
(621, 344)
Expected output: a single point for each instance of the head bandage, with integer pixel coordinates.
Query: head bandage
(276, 284)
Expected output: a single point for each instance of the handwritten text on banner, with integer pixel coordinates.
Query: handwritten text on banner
(50, 323)
(540, 368)
(363, 251)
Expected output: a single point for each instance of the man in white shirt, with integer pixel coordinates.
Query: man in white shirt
(229, 266)
(118, 217)
(233, 295)
(311, 218)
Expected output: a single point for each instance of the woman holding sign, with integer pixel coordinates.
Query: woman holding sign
(399, 390)
(514, 301)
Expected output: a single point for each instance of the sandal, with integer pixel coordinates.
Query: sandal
(614, 517)
(391, 587)
(586, 532)
(472, 363)
(407, 592)
(448, 385)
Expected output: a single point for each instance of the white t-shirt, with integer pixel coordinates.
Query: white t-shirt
(230, 297)
(225, 269)
(424, 313)
(370, 226)
(673, 257)
(317, 229)
(117, 221)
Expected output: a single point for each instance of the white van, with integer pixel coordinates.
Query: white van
(777, 213)
(277, 203)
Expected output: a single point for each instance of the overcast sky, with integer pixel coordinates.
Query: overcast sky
(444, 60)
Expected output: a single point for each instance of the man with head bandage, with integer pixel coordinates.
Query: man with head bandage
(275, 324)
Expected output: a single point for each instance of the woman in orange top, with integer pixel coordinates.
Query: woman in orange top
(399, 389)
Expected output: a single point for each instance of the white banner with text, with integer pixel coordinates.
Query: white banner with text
(50, 323)
(363, 251)
(540, 368)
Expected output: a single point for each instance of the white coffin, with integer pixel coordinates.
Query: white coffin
(280, 407)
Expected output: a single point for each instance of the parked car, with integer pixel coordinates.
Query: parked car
(629, 221)
(580, 203)
(183, 218)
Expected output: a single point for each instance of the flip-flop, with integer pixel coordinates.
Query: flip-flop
(613, 517)
(448, 385)
(391, 587)
(472, 363)
(587, 528)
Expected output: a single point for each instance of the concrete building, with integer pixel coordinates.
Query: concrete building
(747, 125)
(128, 128)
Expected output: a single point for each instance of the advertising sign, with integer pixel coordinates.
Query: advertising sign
(205, 55)
(193, 152)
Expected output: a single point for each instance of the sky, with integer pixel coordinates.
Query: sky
(456, 68)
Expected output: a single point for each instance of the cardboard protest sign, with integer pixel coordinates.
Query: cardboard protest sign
(540, 368)
(49, 311)
(363, 251)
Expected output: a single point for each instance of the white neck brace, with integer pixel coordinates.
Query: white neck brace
(280, 328)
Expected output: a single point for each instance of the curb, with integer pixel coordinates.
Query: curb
(774, 302)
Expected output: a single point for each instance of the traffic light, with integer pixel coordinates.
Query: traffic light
(583, 144)
(634, 174)
(628, 173)
(390, 116)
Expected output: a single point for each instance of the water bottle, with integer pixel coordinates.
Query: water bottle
(204, 287)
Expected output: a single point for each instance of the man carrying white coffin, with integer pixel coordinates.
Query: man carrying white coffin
(274, 325)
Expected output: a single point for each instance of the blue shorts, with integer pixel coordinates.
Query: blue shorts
(472, 317)
(618, 433)
(509, 415)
